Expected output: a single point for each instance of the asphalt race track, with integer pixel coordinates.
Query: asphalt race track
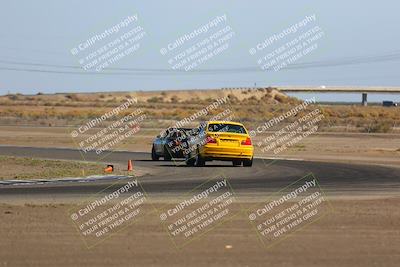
(174, 177)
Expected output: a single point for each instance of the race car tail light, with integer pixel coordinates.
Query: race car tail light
(246, 142)
(211, 140)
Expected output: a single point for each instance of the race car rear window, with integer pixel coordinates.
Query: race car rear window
(226, 128)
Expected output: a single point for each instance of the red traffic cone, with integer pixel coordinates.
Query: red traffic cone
(130, 167)
(110, 168)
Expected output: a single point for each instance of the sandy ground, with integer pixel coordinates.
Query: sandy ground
(356, 233)
(335, 147)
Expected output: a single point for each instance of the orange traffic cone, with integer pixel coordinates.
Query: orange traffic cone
(110, 168)
(130, 167)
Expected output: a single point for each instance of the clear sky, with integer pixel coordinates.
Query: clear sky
(37, 38)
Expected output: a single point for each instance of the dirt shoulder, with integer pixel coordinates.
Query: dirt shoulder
(356, 233)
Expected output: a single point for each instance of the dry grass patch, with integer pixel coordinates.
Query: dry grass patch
(30, 168)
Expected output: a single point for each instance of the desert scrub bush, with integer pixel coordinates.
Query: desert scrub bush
(233, 99)
(251, 100)
(112, 100)
(155, 99)
(195, 100)
(73, 97)
(14, 97)
(327, 112)
(379, 127)
(174, 99)
(280, 98)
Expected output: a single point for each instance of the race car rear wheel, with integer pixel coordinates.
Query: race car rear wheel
(199, 161)
(154, 155)
(167, 154)
(248, 162)
(190, 161)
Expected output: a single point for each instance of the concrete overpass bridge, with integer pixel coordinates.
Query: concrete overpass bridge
(332, 89)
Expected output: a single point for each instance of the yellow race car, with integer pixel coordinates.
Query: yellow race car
(220, 140)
